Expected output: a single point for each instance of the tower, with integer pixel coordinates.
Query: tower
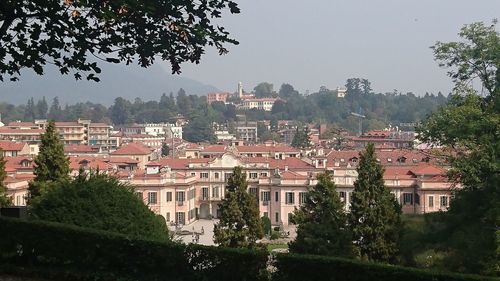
(240, 90)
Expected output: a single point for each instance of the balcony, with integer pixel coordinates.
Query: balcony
(265, 203)
(204, 198)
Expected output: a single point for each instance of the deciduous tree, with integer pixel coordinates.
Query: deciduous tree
(469, 126)
(74, 35)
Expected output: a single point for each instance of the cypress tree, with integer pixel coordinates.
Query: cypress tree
(375, 215)
(322, 222)
(4, 199)
(240, 225)
(51, 165)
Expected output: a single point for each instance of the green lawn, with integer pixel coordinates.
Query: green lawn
(271, 247)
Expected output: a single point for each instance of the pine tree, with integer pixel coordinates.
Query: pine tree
(322, 222)
(375, 215)
(41, 108)
(4, 199)
(55, 111)
(301, 138)
(240, 225)
(51, 165)
(30, 110)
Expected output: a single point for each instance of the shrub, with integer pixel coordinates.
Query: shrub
(100, 255)
(101, 202)
(291, 267)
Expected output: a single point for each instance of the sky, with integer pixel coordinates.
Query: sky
(313, 43)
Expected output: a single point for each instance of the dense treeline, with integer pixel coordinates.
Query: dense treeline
(323, 106)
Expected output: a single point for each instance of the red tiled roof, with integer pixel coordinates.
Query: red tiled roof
(263, 148)
(132, 148)
(89, 162)
(290, 162)
(214, 149)
(12, 146)
(78, 148)
(180, 163)
(122, 160)
(4, 130)
(427, 170)
(20, 124)
(289, 175)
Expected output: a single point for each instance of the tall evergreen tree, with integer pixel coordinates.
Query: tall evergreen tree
(375, 215)
(322, 222)
(42, 108)
(4, 199)
(240, 225)
(30, 110)
(51, 165)
(301, 138)
(55, 111)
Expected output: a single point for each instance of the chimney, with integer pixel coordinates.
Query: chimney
(286, 168)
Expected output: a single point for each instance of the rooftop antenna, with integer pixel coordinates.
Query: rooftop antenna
(361, 117)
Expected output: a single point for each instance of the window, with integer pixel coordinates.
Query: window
(169, 196)
(193, 174)
(443, 201)
(276, 196)
(265, 196)
(289, 197)
(302, 197)
(152, 198)
(204, 175)
(252, 191)
(216, 175)
(167, 217)
(180, 217)
(277, 217)
(263, 175)
(266, 214)
(215, 192)
(342, 195)
(431, 201)
(407, 198)
(290, 218)
(227, 176)
(204, 193)
(179, 196)
(252, 175)
(350, 197)
(389, 160)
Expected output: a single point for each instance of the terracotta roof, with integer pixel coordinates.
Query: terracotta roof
(290, 162)
(132, 148)
(427, 170)
(12, 146)
(289, 175)
(263, 148)
(78, 148)
(4, 130)
(121, 160)
(20, 124)
(214, 149)
(180, 163)
(88, 162)
(143, 136)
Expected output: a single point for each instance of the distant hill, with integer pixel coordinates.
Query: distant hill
(116, 80)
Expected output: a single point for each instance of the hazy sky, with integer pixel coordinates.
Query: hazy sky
(309, 43)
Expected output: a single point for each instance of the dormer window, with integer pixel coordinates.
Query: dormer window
(414, 160)
(389, 160)
(342, 160)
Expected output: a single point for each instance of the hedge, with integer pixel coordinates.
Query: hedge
(54, 251)
(292, 267)
(99, 255)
